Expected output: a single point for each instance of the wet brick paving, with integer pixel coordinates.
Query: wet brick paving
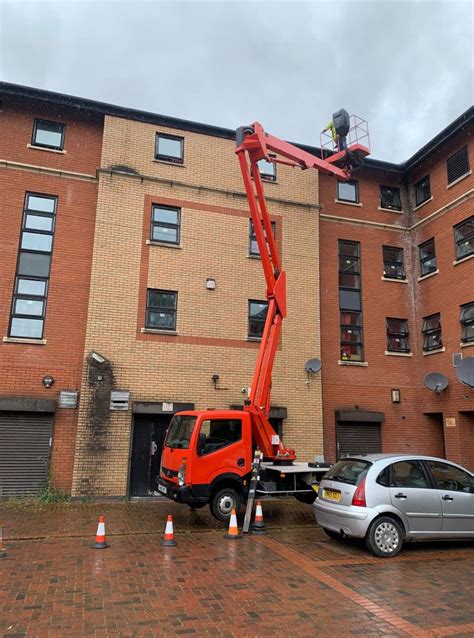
(291, 582)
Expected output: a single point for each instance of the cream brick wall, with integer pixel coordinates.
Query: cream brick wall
(214, 244)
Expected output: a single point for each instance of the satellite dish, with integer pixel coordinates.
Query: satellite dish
(436, 381)
(313, 366)
(465, 371)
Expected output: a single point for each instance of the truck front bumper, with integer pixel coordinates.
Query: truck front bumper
(181, 494)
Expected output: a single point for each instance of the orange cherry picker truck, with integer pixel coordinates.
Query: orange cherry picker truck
(208, 455)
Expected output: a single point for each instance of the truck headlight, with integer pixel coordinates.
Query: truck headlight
(182, 474)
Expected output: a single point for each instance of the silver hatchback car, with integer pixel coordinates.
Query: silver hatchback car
(391, 498)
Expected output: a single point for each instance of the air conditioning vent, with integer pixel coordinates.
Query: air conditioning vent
(119, 400)
(457, 357)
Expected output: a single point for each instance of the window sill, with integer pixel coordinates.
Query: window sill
(426, 354)
(463, 259)
(251, 256)
(150, 242)
(466, 344)
(161, 161)
(156, 331)
(48, 150)
(399, 281)
(459, 179)
(340, 201)
(253, 339)
(398, 354)
(430, 199)
(360, 364)
(33, 342)
(430, 274)
(391, 210)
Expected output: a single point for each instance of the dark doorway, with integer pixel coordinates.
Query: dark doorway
(358, 438)
(433, 427)
(148, 437)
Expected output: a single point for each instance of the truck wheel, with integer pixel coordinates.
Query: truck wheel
(223, 502)
(385, 537)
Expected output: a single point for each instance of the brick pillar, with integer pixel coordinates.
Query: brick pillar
(452, 438)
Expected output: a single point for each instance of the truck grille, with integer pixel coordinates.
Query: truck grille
(169, 473)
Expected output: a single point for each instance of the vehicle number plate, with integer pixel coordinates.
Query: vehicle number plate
(162, 489)
(332, 495)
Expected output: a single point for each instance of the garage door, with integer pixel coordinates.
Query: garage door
(358, 438)
(24, 451)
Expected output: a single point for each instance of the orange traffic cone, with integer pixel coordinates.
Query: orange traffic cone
(100, 542)
(3, 551)
(233, 533)
(258, 526)
(168, 540)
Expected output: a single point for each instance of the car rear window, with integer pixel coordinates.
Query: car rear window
(350, 471)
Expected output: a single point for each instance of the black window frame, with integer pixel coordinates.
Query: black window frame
(383, 193)
(217, 445)
(454, 165)
(36, 124)
(349, 264)
(428, 332)
(268, 177)
(252, 318)
(163, 309)
(424, 260)
(352, 182)
(394, 334)
(21, 276)
(253, 237)
(467, 322)
(397, 265)
(155, 224)
(469, 239)
(169, 158)
(419, 190)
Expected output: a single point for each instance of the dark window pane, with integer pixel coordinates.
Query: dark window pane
(390, 198)
(258, 309)
(347, 191)
(34, 265)
(451, 478)
(40, 204)
(31, 287)
(162, 233)
(467, 312)
(349, 281)
(350, 319)
(253, 246)
(164, 320)
(351, 352)
(168, 215)
(467, 333)
(158, 299)
(393, 254)
(36, 241)
(28, 328)
(29, 307)
(349, 300)
(397, 326)
(465, 230)
(347, 264)
(467, 323)
(431, 323)
(397, 344)
(216, 434)
(48, 134)
(422, 190)
(349, 248)
(37, 222)
(350, 335)
(408, 474)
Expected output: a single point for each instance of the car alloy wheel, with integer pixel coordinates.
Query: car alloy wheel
(385, 537)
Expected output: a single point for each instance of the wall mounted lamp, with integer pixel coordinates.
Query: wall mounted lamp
(395, 396)
(48, 381)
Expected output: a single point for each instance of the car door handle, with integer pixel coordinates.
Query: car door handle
(400, 495)
(446, 497)
(241, 462)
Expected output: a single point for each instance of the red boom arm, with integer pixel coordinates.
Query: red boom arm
(252, 141)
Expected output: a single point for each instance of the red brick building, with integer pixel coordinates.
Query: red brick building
(48, 192)
(396, 286)
(397, 302)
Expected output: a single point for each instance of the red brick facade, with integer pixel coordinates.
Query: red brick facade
(60, 354)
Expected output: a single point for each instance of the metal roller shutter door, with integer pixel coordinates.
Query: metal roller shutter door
(24, 451)
(358, 438)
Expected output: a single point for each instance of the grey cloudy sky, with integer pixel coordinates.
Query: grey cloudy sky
(406, 66)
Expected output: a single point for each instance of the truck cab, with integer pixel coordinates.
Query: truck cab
(207, 457)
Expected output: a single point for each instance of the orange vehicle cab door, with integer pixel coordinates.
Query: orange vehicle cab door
(221, 444)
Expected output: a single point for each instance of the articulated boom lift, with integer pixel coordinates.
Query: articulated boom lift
(253, 145)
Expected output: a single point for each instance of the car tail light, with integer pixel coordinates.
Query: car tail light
(359, 495)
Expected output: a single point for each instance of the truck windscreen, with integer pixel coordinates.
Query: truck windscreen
(180, 431)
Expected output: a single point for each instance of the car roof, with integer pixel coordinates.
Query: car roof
(373, 458)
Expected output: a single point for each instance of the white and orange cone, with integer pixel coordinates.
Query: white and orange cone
(168, 540)
(100, 542)
(258, 526)
(233, 533)
(3, 551)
